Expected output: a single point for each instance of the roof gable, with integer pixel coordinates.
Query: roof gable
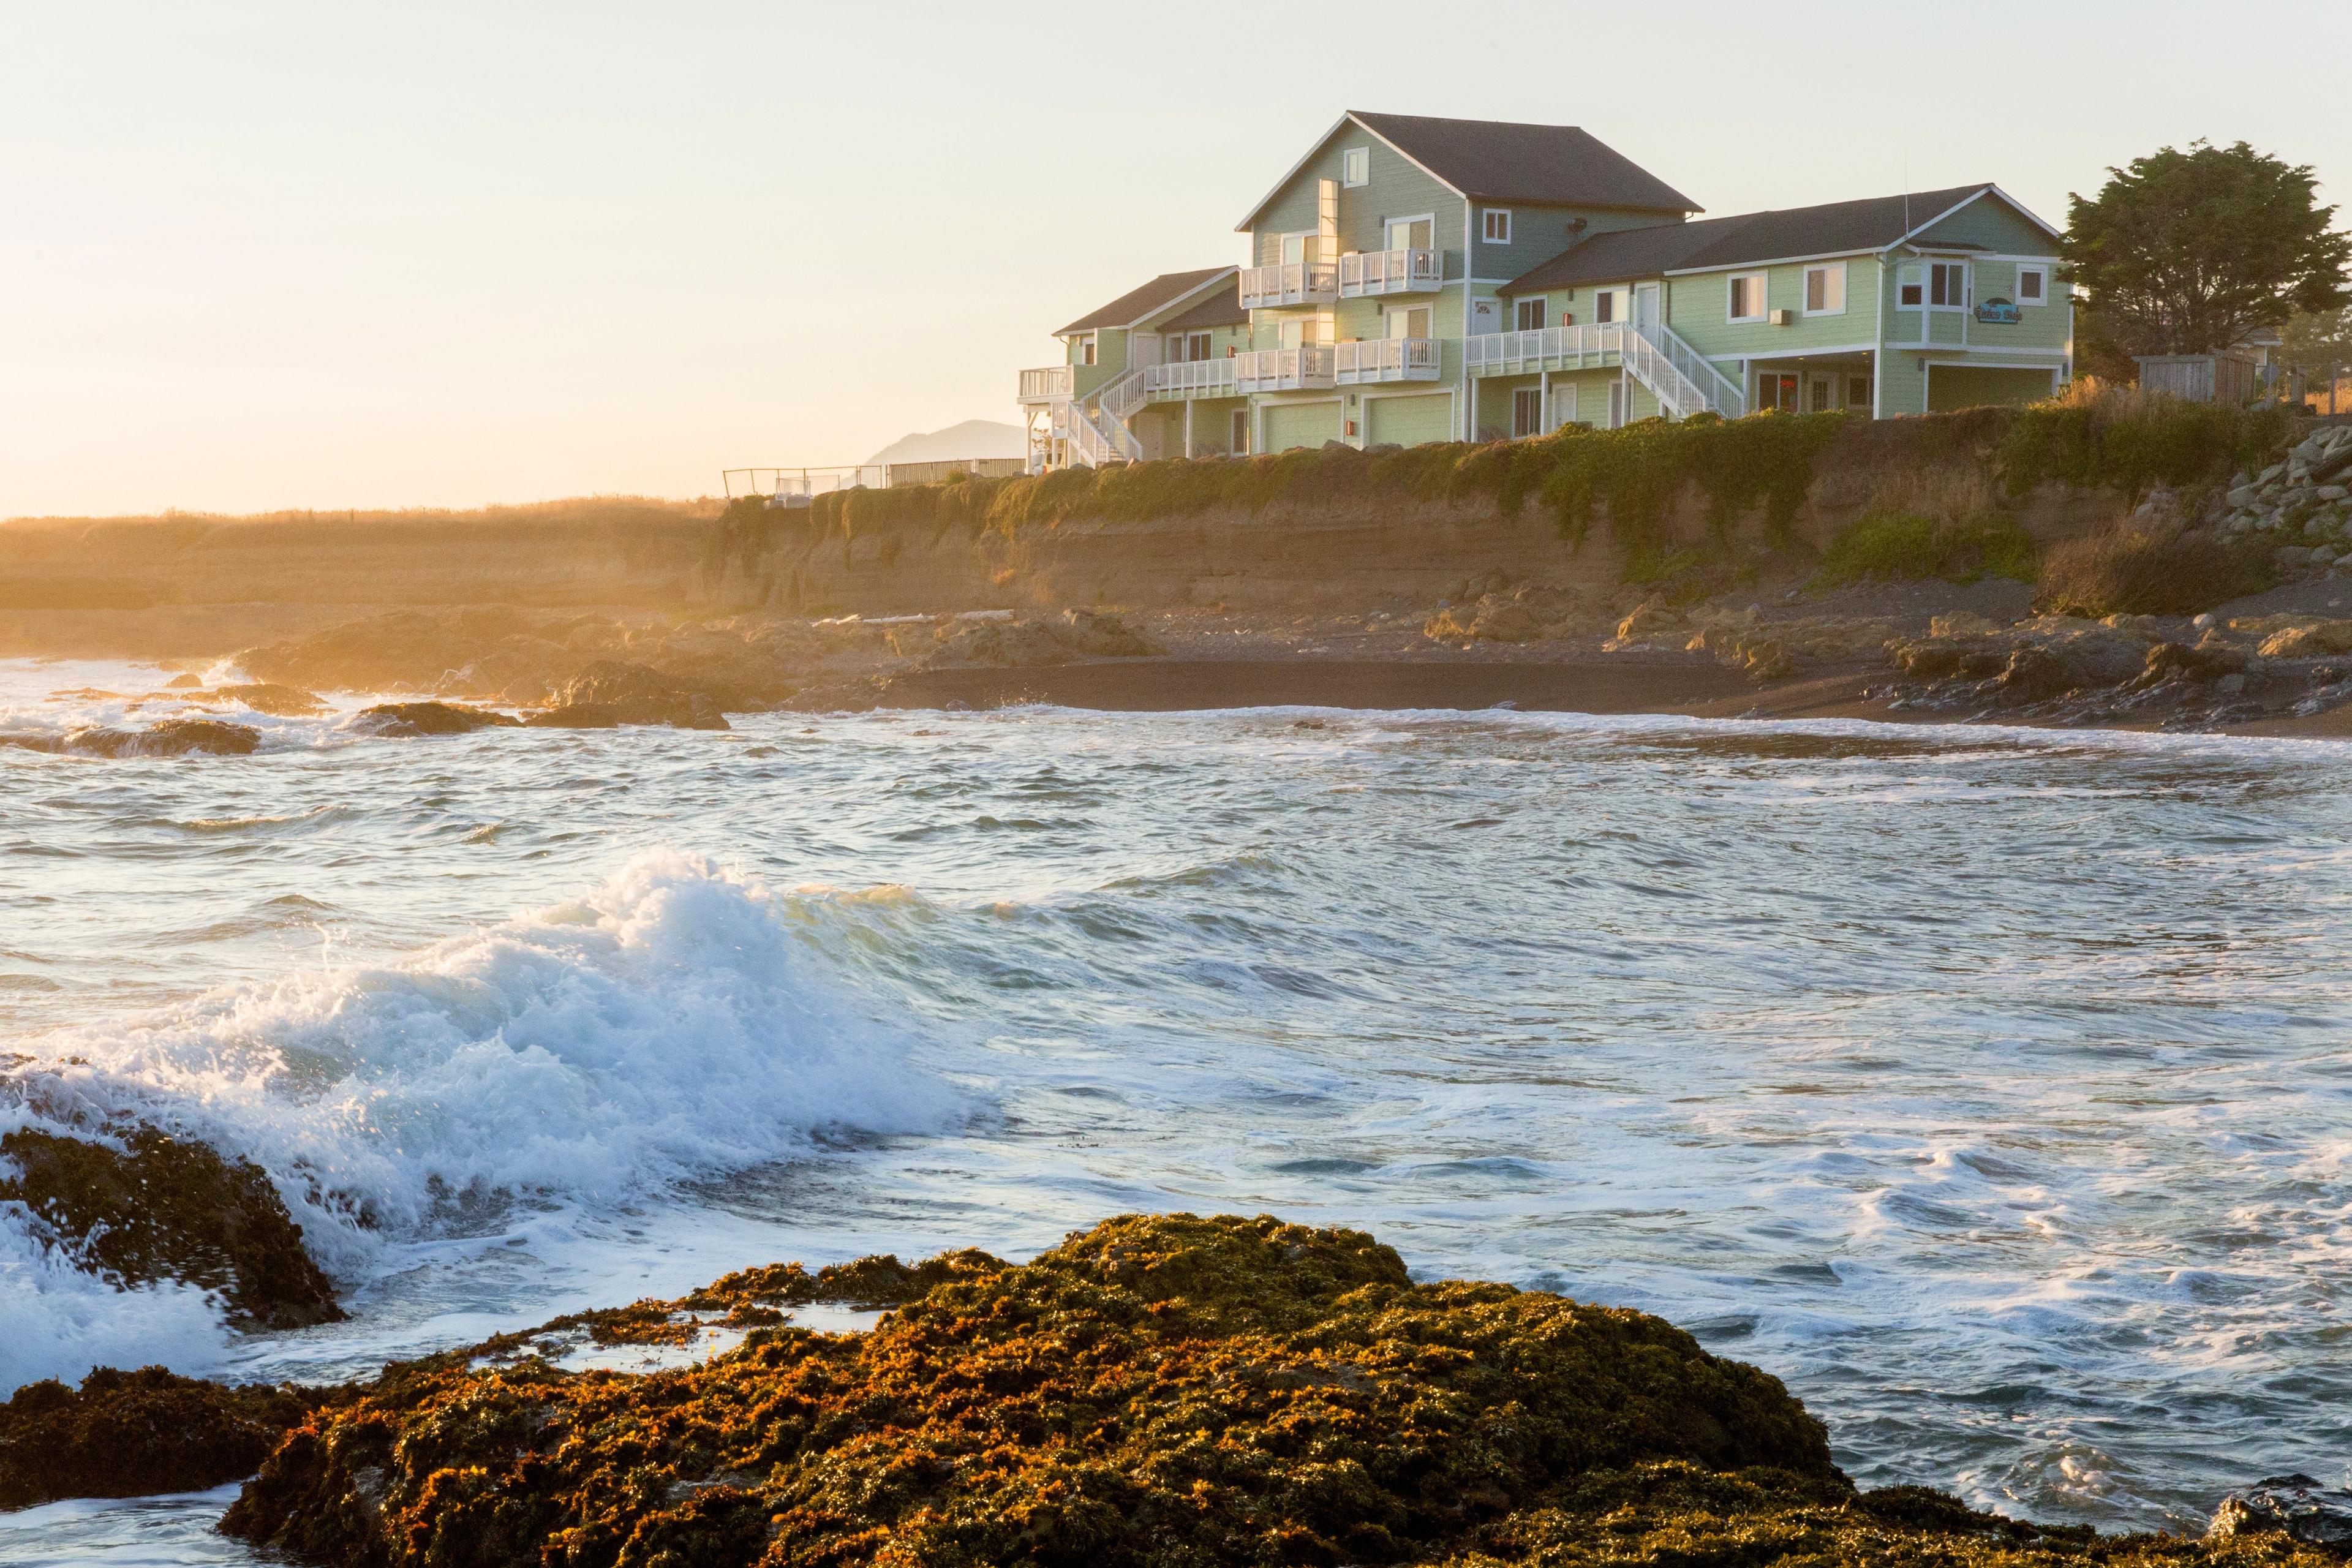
(1492, 159)
(1217, 308)
(1168, 289)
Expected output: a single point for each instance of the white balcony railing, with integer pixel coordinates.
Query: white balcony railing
(1043, 385)
(1192, 378)
(1386, 359)
(1544, 348)
(1292, 283)
(1308, 369)
(1363, 272)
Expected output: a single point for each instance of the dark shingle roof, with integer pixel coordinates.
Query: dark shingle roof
(1870, 224)
(1488, 160)
(1218, 308)
(1137, 303)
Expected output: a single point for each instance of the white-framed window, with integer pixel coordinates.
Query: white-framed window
(1498, 229)
(1530, 315)
(1086, 349)
(1909, 292)
(2034, 285)
(1825, 289)
(1527, 411)
(1857, 391)
(1947, 284)
(1747, 296)
(1356, 166)
(1294, 246)
(1604, 306)
(1409, 233)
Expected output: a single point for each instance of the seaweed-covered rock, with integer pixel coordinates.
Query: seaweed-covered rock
(404, 721)
(610, 693)
(2297, 1506)
(132, 1433)
(140, 1205)
(1155, 1390)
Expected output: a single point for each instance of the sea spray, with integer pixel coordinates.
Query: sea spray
(672, 1022)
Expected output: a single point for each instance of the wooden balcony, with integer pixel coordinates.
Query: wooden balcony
(1385, 359)
(1293, 283)
(1308, 369)
(1049, 385)
(1365, 272)
(1192, 378)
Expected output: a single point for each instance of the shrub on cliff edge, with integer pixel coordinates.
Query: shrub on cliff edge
(2142, 571)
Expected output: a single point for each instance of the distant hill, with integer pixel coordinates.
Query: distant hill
(972, 439)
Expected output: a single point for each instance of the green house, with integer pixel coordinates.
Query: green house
(1413, 279)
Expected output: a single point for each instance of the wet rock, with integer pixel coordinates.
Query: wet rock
(611, 693)
(1075, 635)
(406, 719)
(171, 738)
(2297, 1506)
(138, 1206)
(1058, 1413)
(134, 1434)
(2166, 660)
(279, 701)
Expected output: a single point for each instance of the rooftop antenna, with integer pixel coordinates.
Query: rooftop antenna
(1907, 192)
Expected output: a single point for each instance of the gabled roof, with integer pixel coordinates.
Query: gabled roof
(1837, 228)
(1497, 161)
(1218, 308)
(1162, 291)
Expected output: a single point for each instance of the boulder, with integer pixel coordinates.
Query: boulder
(279, 701)
(404, 720)
(611, 693)
(134, 1434)
(2297, 1506)
(137, 1206)
(1073, 636)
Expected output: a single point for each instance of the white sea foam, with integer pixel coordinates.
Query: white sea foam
(669, 1023)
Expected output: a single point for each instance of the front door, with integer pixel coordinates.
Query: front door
(1821, 392)
(1485, 316)
(1645, 309)
(1409, 234)
(1143, 349)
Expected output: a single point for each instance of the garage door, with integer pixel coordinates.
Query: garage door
(1301, 424)
(1953, 386)
(1409, 421)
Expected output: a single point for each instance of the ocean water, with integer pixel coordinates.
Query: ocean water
(1989, 1088)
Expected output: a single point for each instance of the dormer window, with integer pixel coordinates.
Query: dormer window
(1498, 229)
(1356, 166)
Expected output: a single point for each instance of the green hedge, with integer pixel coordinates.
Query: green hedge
(2129, 441)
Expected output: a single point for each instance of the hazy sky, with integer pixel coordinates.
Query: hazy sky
(327, 254)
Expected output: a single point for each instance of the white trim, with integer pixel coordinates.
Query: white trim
(1806, 352)
(1347, 154)
(1487, 216)
(1804, 307)
(1763, 298)
(1428, 217)
(2015, 206)
(1519, 313)
(2042, 295)
(1865, 252)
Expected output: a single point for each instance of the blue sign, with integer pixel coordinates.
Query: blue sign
(1999, 312)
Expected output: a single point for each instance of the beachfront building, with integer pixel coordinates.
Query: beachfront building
(1413, 279)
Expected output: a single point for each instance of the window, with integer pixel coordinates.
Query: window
(1605, 305)
(2034, 285)
(1197, 346)
(1857, 391)
(1777, 389)
(1409, 233)
(1527, 411)
(1498, 226)
(1409, 323)
(1907, 292)
(1748, 297)
(1947, 284)
(1240, 433)
(1356, 166)
(1530, 315)
(1086, 349)
(1825, 289)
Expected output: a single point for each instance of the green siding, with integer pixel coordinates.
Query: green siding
(1397, 188)
(1993, 224)
(1408, 419)
(1698, 308)
(1538, 233)
(1289, 425)
(1955, 386)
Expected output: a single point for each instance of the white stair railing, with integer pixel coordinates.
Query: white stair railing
(1678, 396)
(1722, 393)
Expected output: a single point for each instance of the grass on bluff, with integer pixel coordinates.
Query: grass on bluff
(2145, 572)
(1940, 521)
(2128, 440)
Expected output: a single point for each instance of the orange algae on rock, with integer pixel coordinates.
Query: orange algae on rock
(130, 1434)
(1164, 1389)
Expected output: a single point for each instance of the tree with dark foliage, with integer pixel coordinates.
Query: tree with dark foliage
(2190, 252)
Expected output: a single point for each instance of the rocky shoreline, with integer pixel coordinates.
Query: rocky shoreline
(1160, 1389)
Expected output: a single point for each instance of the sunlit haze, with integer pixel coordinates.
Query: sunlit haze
(274, 254)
